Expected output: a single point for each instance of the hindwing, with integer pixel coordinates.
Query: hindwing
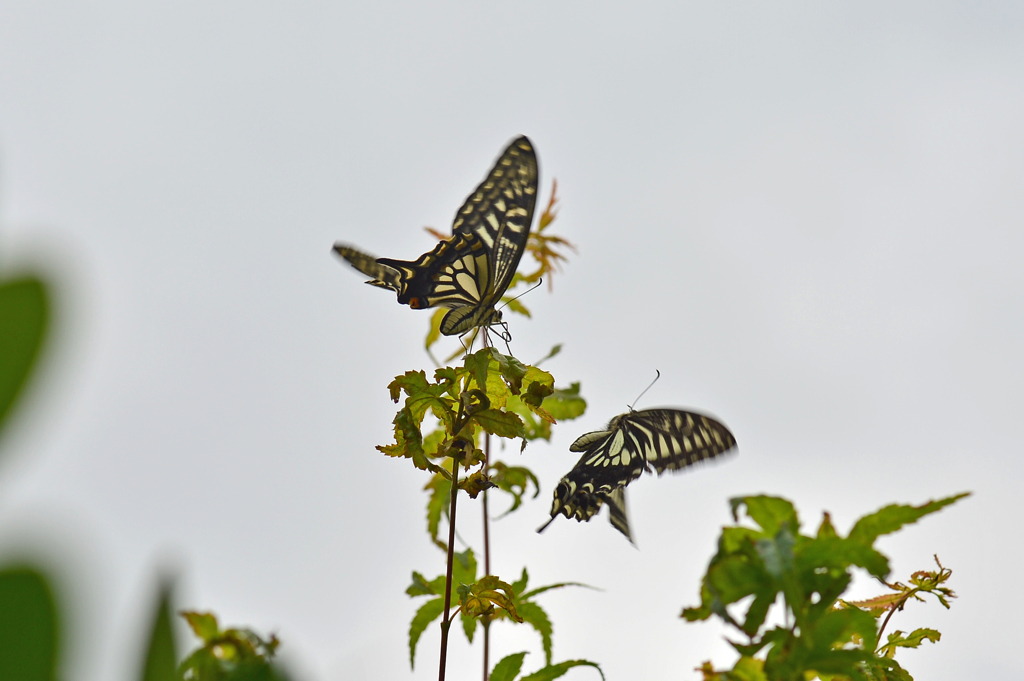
(662, 439)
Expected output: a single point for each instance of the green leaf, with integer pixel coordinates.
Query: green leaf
(513, 480)
(427, 613)
(556, 670)
(434, 334)
(535, 616)
(420, 586)
(440, 489)
(508, 668)
(736, 577)
(893, 517)
(898, 639)
(161, 660)
(747, 669)
(24, 315)
(204, 624)
(835, 552)
(514, 305)
(500, 423)
(565, 404)
(29, 626)
(768, 512)
(537, 385)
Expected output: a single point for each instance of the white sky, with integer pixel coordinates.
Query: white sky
(807, 216)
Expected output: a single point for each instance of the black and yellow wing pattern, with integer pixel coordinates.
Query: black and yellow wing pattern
(470, 271)
(662, 439)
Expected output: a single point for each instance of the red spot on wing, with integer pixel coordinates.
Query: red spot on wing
(417, 303)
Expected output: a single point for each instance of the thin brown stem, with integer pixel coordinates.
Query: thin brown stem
(895, 607)
(446, 622)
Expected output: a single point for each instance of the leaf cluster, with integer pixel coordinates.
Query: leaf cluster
(228, 654)
(822, 634)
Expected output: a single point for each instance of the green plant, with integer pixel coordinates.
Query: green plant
(821, 635)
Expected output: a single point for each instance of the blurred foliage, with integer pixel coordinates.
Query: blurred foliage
(823, 636)
(24, 317)
(29, 626)
(228, 654)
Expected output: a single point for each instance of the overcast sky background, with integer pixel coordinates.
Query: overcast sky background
(807, 216)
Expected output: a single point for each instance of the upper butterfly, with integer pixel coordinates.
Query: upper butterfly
(665, 439)
(470, 271)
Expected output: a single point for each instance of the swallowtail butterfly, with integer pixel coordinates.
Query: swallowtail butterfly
(662, 439)
(469, 272)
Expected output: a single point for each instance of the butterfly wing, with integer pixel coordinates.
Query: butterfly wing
(665, 439)
(671, 439)
(380, 275)
(470, 271)
(452, 274)
(499, 212)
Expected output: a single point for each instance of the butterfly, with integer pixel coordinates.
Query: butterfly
(634, 442)
(470, 271)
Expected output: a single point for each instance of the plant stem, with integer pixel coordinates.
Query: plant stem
(487, 556)
(446, 622)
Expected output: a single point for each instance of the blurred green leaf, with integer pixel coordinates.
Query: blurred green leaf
(29, 626)
(24, 315)
(161, 662)
(898, 639)
(565, 404)
(427, 613)
(892, 518)
(204, 624)
(513, 480)
(768, 512)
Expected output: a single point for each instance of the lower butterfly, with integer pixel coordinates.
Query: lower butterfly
(470, 272)
(634, 442)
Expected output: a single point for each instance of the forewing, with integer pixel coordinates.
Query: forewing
(671, 439)
(500, 212)
(381, 275)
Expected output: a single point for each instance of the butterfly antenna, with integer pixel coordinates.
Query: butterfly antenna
(645, 389)
(539, 282)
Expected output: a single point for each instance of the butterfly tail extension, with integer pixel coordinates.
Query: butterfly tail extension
(617, 512)
(381, 275)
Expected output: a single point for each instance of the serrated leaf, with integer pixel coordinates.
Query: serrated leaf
(508, 668)
(427, 613)
(898, 639)
(500, 423)
(29, 626)
(535, 616)
(482, 596)
(554, 671)
(893, 517)
(420, 586)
